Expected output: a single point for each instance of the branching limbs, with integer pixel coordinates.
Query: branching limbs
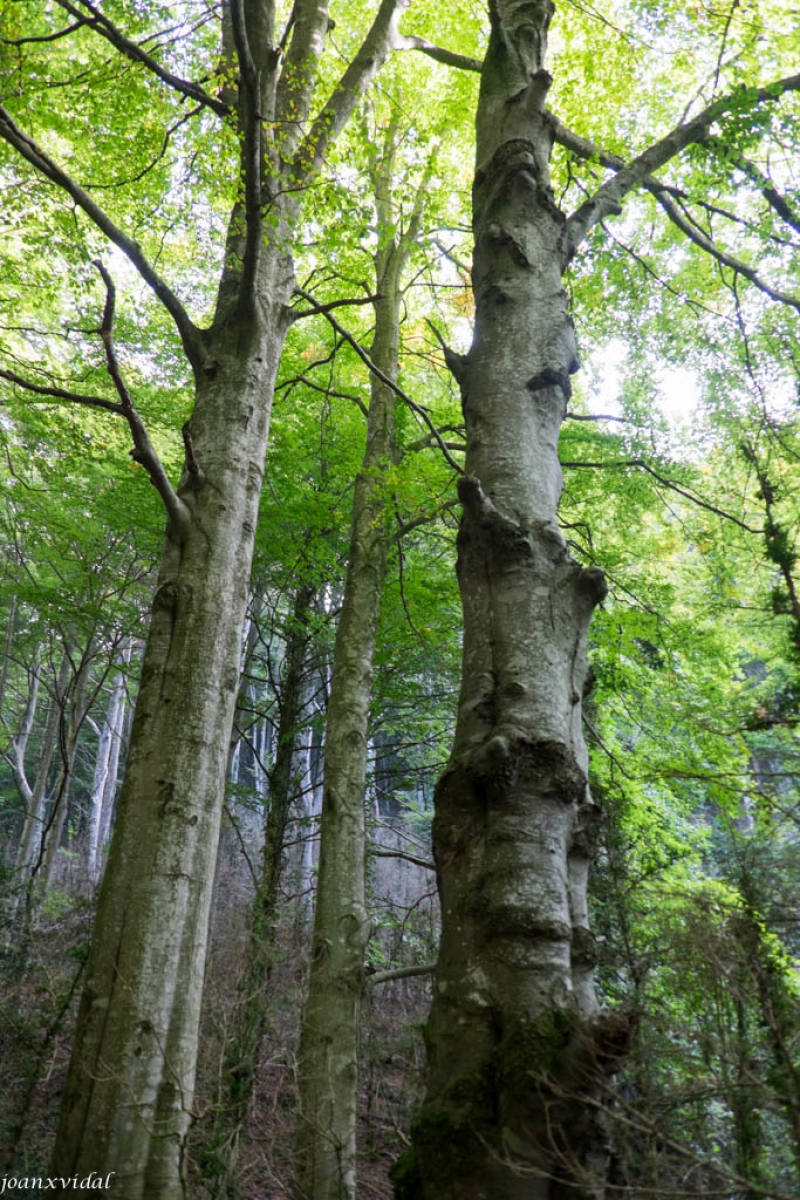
(365, 358)
(89, 15)
(143, 451)
(639, 172)
(27, 148)
(381, 38)
(670, 199)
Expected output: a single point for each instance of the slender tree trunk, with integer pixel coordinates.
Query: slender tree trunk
(243, 695)
(241, 1059)
(32, 831)
(10, 630)
(325, 1152)
(514, 1039)
(106, 766)
(109, 799)
(72, 719)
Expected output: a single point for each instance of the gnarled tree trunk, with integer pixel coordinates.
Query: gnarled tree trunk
(514, 1038)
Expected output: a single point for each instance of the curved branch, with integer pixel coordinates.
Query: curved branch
(668, 483)
(101, 24)
(412, 858)
(57, 393)
(143, 451)
(664, 194)
(606, 199)
(365, 358)
(701, 239)
(764, 184)
(449, 57)
(46, 37)
(24, 145)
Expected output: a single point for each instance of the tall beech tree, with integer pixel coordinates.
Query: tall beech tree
(128, 1100)
(328, 1075)
(518, 1047)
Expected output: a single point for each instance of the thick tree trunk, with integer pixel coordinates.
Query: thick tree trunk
(514, 1038)
(128, 1101)
(325, 1152)
(129, 1095)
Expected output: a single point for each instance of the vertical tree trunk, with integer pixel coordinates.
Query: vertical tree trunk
(32, 830)
(241, 1058)
(514, 1040)
(140, 1008)
(328, 1072)
(128, 1100)
(72, 718)
(109, 805)
(106, 767)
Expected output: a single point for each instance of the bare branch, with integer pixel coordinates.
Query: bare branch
(143, 452)
(701, 239)
(449, 57)
(401, 973)
(768, 191)
(298, 314)
(573, 416)
(46, 37)
(412, 858)
(668, 483)
(58, 393)
(664, 194)
(101, 24)
(190, 335)
(365, 358)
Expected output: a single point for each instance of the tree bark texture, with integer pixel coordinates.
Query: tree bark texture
(128, 1100)
(325, 1152)
(129, 1096)
(514, 1038)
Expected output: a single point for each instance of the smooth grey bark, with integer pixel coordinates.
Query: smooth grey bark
(325, 1148)
(128, 1100)
(518, 1051)
(35, 797)
(515, 1042)
(104, 782)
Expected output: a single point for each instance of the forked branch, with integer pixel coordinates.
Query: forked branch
(638, 173)
(45, 165)
(89, 15)
(666, 197)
